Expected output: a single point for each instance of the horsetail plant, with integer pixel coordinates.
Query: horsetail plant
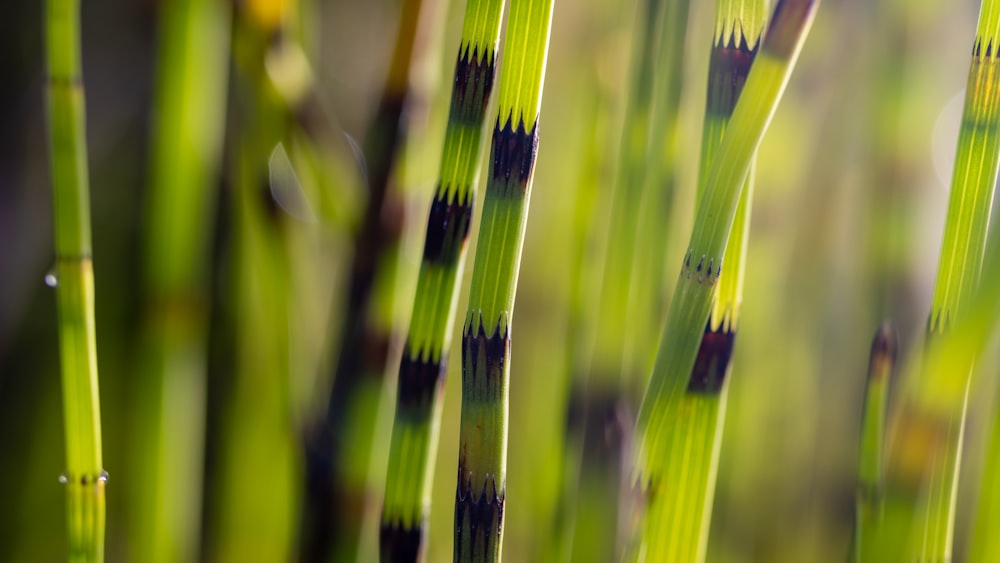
(925, 449)
(482, 457)
(339, 452)
(699, 412)
(194, 55)
(422, 368)
(84, 477)
(675, 523)
(605, 376)
(868, 503)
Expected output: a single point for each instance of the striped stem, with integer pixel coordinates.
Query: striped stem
(482, 458)
(699, 412)
(601, 400)
(868, 504)
(677, 429)
(84, 477)
(422, 368)
(338, 454)
(169, 442)
(924, 459)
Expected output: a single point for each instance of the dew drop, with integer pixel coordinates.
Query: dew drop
(63, 478)
(50, 279)
(103, 477)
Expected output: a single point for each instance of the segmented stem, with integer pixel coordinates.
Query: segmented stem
(422, 369)
(482, 458)
(84, 477)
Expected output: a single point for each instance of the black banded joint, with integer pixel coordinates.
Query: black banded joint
(474, 75)
(712, 363)
(447, 227)
(70, 82)
(977, 49)
(483, 360)
(399, 543)
(478, 519)
(727, 72)
(419, 381)
(705, 271)
(513, 155)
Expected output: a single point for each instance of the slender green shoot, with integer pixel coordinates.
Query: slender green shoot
(84, 477)
(194, 55)
(482, 458)
(422, 369)
(868, 504)
(924, 459)
(339, 451)
(676, 521)
(606, 381)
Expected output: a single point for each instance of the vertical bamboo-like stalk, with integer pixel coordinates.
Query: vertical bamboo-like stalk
(601, 402)
(482, 458)
(422, 369)
(699, 412)
(926, 436)
(868, 504)
(256, 467)
(986, 541)
(338, 455)
(678, 413)
(84, 477)
(169, 442)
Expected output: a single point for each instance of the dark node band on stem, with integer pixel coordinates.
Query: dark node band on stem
(785, 28)
(712, 363)
(483, 360)
(704, 272)
(72, 81)
(605, 420)
(478, 518)
(448, 226)
(513, 156)
(977, 48)
(474, 75)
(419, 381)
(727, 71)
(883, 352)
(401, 543)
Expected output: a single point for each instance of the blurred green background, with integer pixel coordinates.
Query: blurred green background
(851, 198)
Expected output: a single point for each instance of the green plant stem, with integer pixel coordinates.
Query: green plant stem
(924, 456)
(868, 504)
(169, 441)
(338, 471)
(603, 397)
(482, 459)
(672, 419)
(422, 368)
(84, 477)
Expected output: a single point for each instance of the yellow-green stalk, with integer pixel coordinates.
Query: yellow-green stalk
(422, 368)
(486, 342)
(868, 503)
(679, 410)
(337, 495)
(188, 134)
(84, 477)
(924, 458)
(602, 406)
